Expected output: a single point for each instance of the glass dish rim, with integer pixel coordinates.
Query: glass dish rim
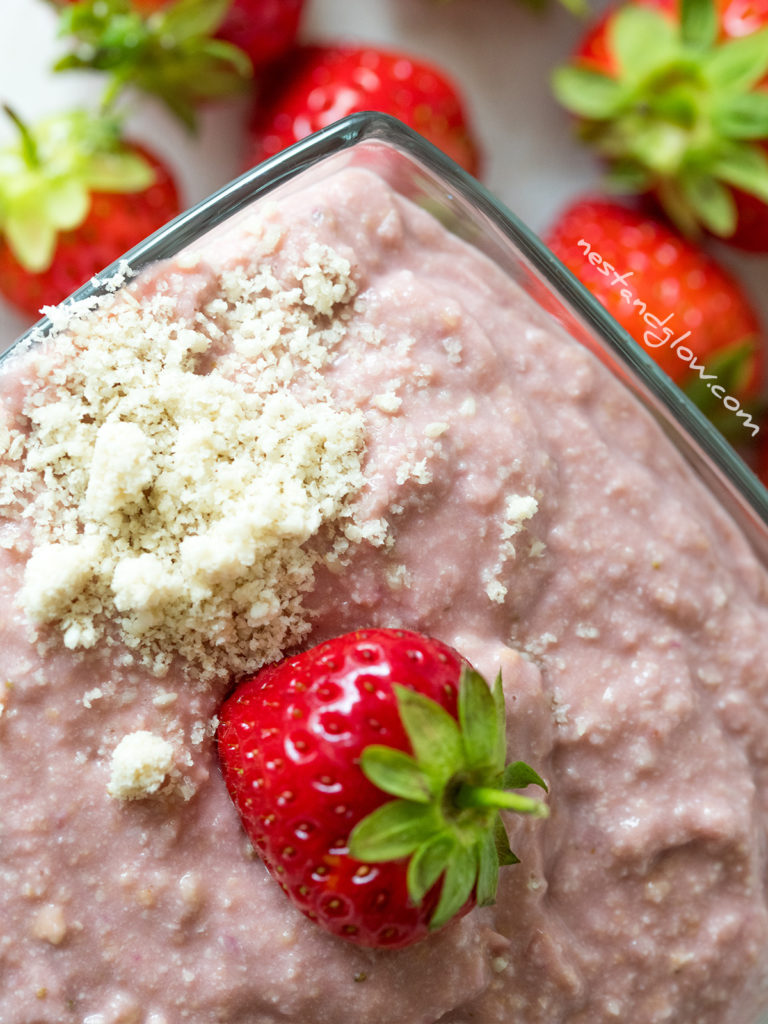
(373, 126)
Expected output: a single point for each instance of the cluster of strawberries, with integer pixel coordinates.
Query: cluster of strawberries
(76, 193)
(672, 95)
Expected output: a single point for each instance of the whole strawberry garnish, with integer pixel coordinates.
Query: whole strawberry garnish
(674, 299)
(673, 95)
(369, 773)
(73, 198)
(182, 51)
(316, 85)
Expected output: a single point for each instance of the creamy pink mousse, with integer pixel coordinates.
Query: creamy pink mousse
(540, 522)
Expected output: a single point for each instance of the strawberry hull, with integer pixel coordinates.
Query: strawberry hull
(513, 499)
(318, 872)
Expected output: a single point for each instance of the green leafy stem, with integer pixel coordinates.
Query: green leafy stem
(682, 113)
(172, 54)
(448, 797)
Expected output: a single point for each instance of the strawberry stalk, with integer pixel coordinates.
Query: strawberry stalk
(487, 797)
(448, 796)
(29, 150)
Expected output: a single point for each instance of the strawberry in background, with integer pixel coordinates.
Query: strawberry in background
(672, 298)
(74, 196)
(182, 51)
(673, 95)
(316, 85)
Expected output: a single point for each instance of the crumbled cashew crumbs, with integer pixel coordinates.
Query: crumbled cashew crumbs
(183, 474)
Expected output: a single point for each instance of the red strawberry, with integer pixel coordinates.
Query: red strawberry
(74, 198)
(760, 463)
(673, 94)
(263, 29)
(316, 85)
(675, 301)
(369, 773)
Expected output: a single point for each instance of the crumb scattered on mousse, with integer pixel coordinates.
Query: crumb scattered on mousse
(175, 471)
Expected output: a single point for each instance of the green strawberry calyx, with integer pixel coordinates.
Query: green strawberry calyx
(736, 369)
(448, 797)
(683, 113)
(48, 177)
(170, 53)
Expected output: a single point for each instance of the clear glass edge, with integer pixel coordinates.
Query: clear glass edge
(683, 417)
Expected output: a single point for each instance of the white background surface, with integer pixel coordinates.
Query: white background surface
(501, 53)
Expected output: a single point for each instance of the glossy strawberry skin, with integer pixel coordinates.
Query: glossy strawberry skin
(114, 224)
(737, 18)
(290, 740)
(264, 29)
(316, 85)
(669, 275)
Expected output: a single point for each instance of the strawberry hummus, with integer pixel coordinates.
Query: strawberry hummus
(334, 414)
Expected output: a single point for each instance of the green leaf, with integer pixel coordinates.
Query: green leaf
(32, 240)
(170, 54)
(733, 366)
(458, 883)
(519, 775)
(711, 202)
(428, 863)
(478, 719)
(187, 19)
(65, 204)
(395, 772)
(488, 870)
(119, 172)
(698, 23)
(738, 64)
(642, 40)
(672, 199)
(501, 842)
(587, 93)
(742, 116)
(230, 56)
(500, 753)
(434, 734)
(627, 177)
(746, 167)
(393, 830)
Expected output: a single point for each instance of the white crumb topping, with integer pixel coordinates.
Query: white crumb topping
(141, 763)
(325, 279)
(586, 632)
(454, 349)
(55, 572)
(417, 470)
(387, 401)
(121, 469)
(436, 429)
(519, 508)
(184, 473)
(398, 577)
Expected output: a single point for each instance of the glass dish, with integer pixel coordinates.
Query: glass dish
(425, 176)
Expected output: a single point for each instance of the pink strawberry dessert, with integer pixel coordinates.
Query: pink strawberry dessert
(332, 415)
